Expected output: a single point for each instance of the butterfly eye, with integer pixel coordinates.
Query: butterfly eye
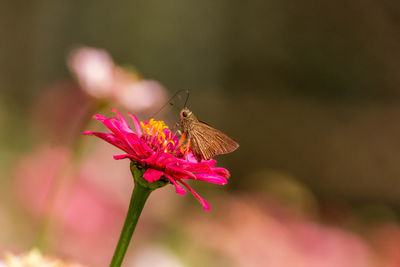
(184, 114)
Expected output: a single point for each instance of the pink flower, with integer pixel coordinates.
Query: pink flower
(269, 234)
(154, 147)
(94, 71)
(81, 207)
(98, 76)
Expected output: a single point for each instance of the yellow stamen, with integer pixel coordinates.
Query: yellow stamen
(156, 128)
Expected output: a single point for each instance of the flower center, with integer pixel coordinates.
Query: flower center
(158, 136)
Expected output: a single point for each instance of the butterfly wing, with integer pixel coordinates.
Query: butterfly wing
(206, 141)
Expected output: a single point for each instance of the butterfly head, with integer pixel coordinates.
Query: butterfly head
(186, 113)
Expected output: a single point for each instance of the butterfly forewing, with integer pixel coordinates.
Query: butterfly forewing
(206, 141)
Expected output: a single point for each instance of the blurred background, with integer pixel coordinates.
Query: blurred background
(310, 90)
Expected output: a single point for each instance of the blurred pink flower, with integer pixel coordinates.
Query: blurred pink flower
(101, 78)
(81, 210)
(253, 237)
(150, 93)
(94, 71)
(157, 149)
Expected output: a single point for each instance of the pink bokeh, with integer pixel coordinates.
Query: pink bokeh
(98, 76)
(249, 234)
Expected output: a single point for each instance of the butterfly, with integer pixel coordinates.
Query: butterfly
(203, 140)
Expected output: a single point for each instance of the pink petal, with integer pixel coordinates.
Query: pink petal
(143, 146)
(190, 157)
(121, 129)
(137, 124)
(152, 160)
(177, 171)
(198, 167)
(87, 132)
(123, 120)
(111, 124)
(152, 175)
(178, 189)
(159, 159)
(222, 171)
(126, 156)
(199, 198)
(211, 178)
(110, 138)
(117, 127)
(99, 117)
(165, 158)
(136, 147)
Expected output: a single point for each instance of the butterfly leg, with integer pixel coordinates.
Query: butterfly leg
(184, 143)
(174, 127)
(187, 150)
(182, 140)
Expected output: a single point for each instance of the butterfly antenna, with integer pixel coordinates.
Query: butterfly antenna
(169, 101)
(187, 98)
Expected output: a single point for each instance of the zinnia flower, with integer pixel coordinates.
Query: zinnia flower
(157, 149)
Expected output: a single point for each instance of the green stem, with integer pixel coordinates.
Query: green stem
(140, 193)
(138, 199)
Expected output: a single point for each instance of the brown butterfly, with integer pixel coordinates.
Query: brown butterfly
(204, 140)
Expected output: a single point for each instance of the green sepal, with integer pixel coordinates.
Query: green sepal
(137, 173)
